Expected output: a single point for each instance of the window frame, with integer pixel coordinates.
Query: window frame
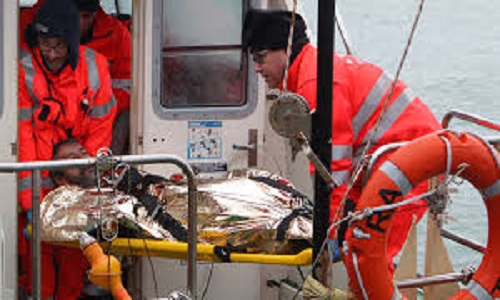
(197, 112)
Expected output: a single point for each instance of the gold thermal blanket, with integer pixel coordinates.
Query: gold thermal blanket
(251, 211)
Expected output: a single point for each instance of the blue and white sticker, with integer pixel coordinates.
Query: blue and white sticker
(204, 140)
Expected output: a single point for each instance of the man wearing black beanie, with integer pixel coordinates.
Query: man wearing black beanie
(111, 38)
(266, 33)
(64, 90)
(360, 90)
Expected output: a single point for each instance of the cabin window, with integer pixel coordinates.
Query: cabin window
(202, 64)
(27, 3)
(117, 8)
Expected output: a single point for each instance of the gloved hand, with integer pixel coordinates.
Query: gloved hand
(313, 289)
(28, 229)
(335, 251)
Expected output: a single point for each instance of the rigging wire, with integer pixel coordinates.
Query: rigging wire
(362, 162)
(153, 272)
(301, 273)
(209, 279)
(343, 32)
(289, 45)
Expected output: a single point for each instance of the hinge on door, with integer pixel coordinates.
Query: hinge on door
(140, 140)
(13, 148)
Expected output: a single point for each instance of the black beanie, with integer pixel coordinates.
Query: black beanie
(87, 5)
(57, 18)
(269, 29)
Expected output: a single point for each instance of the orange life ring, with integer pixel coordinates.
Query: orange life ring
(423, 158)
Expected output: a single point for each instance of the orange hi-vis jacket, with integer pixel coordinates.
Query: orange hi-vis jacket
(360, 90)
(112, 39)
(52, 106)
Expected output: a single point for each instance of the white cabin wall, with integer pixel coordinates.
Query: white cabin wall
(8, 137)
(152, 134)
(142, 28)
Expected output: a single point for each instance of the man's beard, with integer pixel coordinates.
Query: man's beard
(87, 178)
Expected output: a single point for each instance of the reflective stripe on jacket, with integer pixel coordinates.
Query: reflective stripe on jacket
(112, 39)
(80, 102)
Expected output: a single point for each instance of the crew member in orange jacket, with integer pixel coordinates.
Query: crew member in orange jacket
(64, 90)
(360, 90)
(111, 38)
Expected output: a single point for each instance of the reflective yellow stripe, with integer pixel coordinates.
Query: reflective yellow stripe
(104, 109)
(491, 191)
(370, 103)
(92, 71)
(478, 291)
(29, 74)
(397, 176)
(341, 177)
(24, 114)
(123, 84)
(24, 184)
(341, 152)
(388, 119)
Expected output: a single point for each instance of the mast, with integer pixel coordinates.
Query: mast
(322, 120)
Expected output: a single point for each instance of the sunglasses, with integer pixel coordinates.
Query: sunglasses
(259, 56)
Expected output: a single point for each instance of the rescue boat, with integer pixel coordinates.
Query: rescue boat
(223, 125)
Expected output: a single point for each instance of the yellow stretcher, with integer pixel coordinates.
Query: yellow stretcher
(206, 252)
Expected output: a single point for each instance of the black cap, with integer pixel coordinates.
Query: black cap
(269, 29)
(87, 5)
(57, 18)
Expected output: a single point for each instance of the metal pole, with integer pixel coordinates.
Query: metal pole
(463, 241)
(192, 233)
(322, 121)
(432, 280)
(343, 33)
(36, 278)
(470, 118)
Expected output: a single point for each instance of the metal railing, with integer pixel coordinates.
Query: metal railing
(389, 148)
(470, 118)
(37, 166)
(433, 280)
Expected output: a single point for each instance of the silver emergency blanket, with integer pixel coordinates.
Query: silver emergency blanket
(245, 212)
(69, 210)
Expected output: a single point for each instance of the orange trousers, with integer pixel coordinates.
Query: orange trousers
(63, 270)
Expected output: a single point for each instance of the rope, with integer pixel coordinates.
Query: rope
(370, 211)
(289, 46)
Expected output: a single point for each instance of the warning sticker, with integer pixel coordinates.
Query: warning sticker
(204, 140)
